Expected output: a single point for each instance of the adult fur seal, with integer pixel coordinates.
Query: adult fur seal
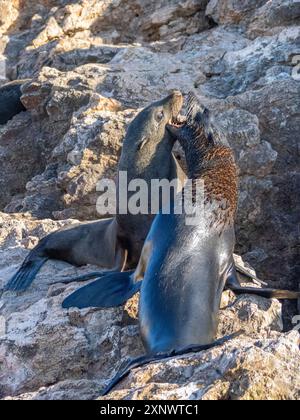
(115, 243)
(10, 100)
(185, 265)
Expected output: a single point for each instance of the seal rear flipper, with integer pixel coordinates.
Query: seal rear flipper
(106, 292)
(266, 293)
(144, 360)
(26, 274)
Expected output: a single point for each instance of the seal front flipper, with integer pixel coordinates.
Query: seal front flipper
(151, 358)
(121, 258)
(232, 280)
(106, 292)
(26, 274)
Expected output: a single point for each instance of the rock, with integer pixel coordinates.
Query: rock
(268, 196)
(255, 17)
(94, 136)
(93, 65)
(274, 16)
(67, 390)
(34, 322)
(242, 369)
(232, 11)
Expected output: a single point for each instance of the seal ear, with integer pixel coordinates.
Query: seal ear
(210, 136)
(197, 114)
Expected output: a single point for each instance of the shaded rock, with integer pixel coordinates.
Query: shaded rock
(246, 68)
(271, 203)
(256, 317)
(232, 11)
(273, 16)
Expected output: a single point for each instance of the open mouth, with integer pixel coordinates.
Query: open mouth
(177, 121)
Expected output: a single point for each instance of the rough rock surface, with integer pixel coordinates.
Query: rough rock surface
(50, 353)
(93, 63)
(244, 369)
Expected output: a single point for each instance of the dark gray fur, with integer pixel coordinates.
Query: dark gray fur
(115, 243)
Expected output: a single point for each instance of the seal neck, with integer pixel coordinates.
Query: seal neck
(214, 164)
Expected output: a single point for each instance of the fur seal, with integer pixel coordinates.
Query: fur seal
(115, 243)
(10, 100)
(184, 273)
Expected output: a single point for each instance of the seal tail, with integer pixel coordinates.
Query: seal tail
(144, 360)
(26, 274)
(106, 292)
(266, 293)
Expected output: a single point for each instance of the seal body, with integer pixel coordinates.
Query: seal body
(115, 243)
(186, 273)
(183, 283)
(10, 100)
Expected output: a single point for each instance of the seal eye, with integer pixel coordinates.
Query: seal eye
(159, 116)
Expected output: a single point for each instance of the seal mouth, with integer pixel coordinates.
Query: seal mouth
(175, 125)
(177, 121)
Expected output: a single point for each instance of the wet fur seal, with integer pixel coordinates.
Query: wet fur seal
(184, 273)
(10, 100)
(115, 243)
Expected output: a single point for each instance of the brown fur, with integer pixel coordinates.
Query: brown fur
(221, 183)
(215, 165)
